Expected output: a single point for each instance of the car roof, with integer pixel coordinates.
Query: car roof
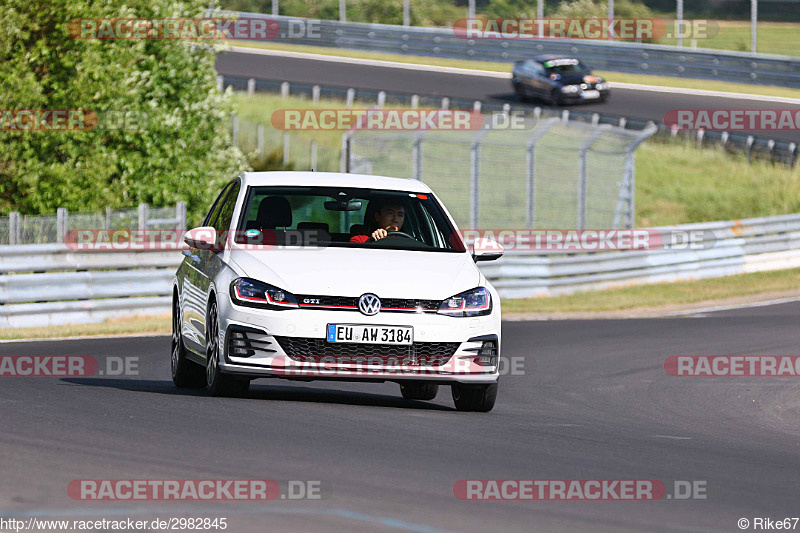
(336, 179)
(551, 57)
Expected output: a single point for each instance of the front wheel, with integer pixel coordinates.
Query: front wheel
(478, 398)
(556, 98)
(185, 373)
(419, 390)
(217, 383)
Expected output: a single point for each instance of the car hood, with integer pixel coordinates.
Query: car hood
(353, 272)
(577, 79)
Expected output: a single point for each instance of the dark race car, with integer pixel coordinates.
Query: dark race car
(558, 79)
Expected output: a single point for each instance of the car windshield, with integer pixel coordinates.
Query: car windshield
(345, 217)
(565, 66)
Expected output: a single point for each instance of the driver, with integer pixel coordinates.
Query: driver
(389, 217)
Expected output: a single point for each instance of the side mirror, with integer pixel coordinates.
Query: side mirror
(486, 249)
(202, 238)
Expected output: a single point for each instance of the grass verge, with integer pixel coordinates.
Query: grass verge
(621, 77)
(137, 325)
(662, 295)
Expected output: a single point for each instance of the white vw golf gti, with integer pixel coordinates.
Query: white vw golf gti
(309, 276)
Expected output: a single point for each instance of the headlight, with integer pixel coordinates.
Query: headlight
(570, 88)
(471, 303)
(252, 293)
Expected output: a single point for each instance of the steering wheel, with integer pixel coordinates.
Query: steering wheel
(392, 234)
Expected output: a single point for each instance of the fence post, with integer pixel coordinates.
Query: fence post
(180, 214)
(260, 138)
(381, 98)
(221, 83)
(416, 156)
(344, 160)
(315, 94)
(351, 95)
(285, 90)
(235, 130)
(313, 155)
(285, 148)
(627, 190)
(14, 228)
(582, 174)
(530, 170)
(143, 216)
(475, 175)
(414, 101)
(274, 8)
(108, 218)
(445, 103)
(750, 140)
(251, 86)
(62, 216)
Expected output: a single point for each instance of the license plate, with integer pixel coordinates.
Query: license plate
(590, 94)
(370, 334)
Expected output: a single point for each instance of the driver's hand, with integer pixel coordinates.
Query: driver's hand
(380, 233)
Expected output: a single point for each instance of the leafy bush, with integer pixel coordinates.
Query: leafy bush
(175, 144)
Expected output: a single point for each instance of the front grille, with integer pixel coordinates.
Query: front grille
(349, 303)
(313, 350)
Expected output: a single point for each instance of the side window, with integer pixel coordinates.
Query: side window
(212, 213)
(222, 222)
(538, 68)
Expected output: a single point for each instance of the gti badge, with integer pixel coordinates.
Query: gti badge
(369, 304)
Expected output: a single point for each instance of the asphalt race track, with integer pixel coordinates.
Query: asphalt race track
(632, 104)
(594, 402)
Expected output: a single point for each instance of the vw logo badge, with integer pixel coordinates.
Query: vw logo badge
(369, 304)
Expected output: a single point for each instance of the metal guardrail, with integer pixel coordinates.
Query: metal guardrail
(740, 67)
(753, 147)
(77, 286)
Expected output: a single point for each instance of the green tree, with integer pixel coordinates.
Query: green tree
(174, 143)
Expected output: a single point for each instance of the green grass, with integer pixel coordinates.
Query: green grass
(137, 325)
(773, 37)
(620, 77)
(651, 297)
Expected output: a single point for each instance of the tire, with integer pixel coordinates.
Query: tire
(522, 94)
(419, 390)
(478, 398)
(555, 97)
(217, 383)
(185, 373)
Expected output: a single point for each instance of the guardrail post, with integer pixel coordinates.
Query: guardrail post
(260, 138)
(285, 148)
(750, 140)
(724, 138)
(221, 83)
(506, 108)
(595, 119)
(792, 154)
(315, 94)
(701, 133)
(445, 103)
(381, 98)
(180, 214)
(235, 134)
(251, 86)
(62, 216)
(14, 228)
(313, 155)
(477, 105)
(565, 116)
(623, 122)
(351, 95)
(414, 101)
(143, 216)
(285, 90)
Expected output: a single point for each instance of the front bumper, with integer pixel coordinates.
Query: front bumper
(582, 96)
(267, 332)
